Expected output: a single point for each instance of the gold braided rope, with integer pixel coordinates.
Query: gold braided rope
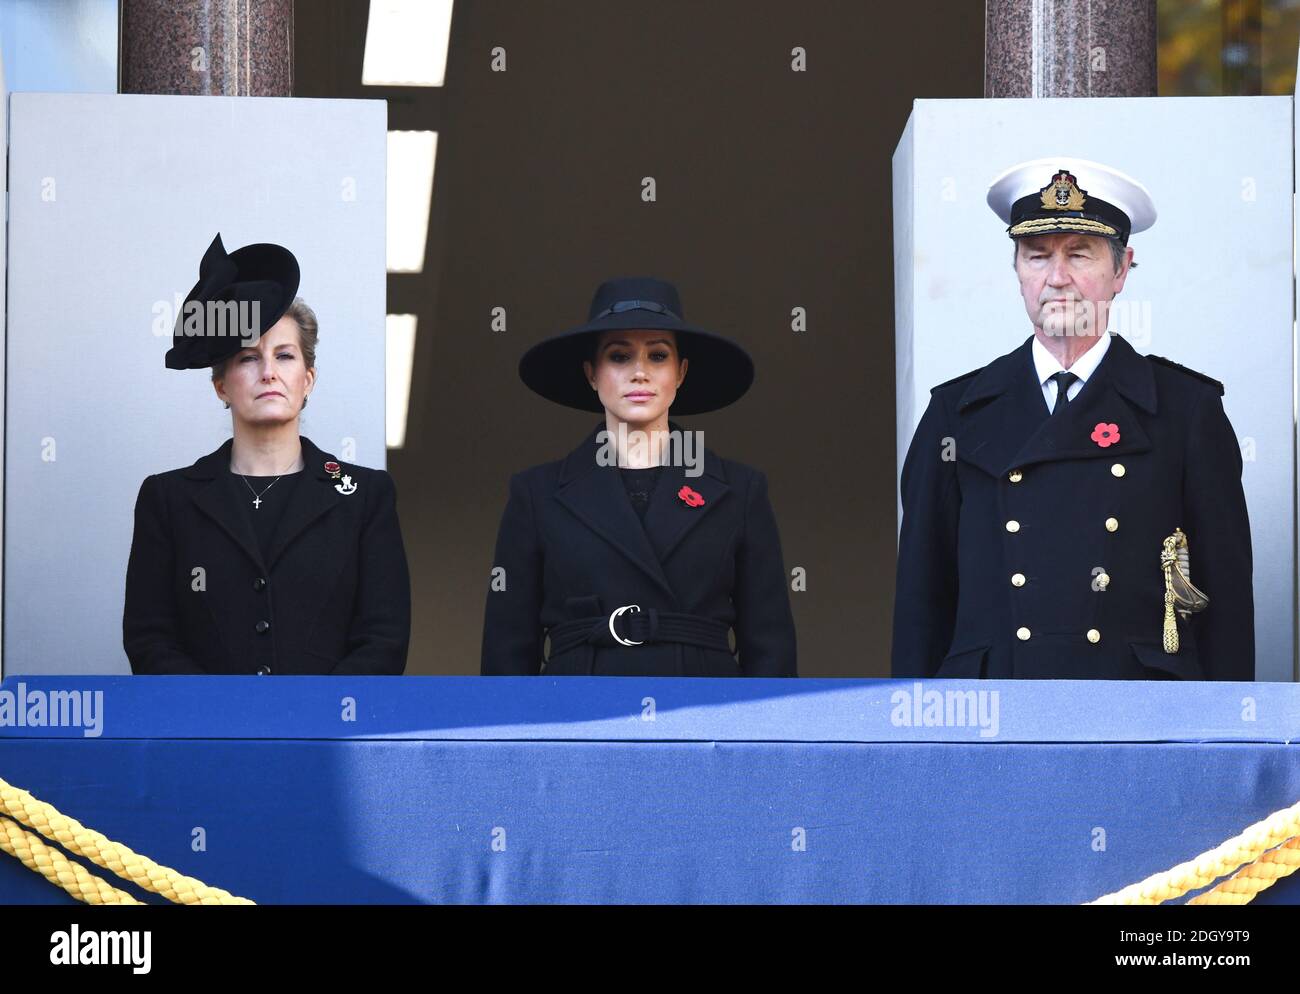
(44, 818)
(1044, 224)
(57, 868)
(1279, 832)
(1260, 875)
(1270, 847)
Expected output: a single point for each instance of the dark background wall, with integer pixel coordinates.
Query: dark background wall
(773, 193)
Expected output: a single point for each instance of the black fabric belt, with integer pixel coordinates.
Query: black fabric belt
(649, 626)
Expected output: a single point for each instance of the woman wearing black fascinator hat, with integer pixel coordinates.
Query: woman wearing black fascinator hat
(641, 552)
(267, 555)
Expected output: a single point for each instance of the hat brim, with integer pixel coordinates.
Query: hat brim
(719, 374)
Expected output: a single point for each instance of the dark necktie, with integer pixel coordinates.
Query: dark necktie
(1063, 382)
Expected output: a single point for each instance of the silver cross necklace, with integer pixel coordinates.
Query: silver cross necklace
(257, 497)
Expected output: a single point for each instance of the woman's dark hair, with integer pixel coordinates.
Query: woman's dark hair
(593, 351)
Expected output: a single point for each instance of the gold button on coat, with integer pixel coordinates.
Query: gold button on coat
(1017, 579)
(1103, 581)
(1094, 636)
(1022, 634)
(1112, 525)
(1015, 476)
(1014, 526)
(1117, 469)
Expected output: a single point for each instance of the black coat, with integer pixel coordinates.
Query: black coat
(970, 588)
(332, 597)
(572, 547)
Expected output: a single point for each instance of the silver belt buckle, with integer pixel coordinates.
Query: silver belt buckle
(614, 614)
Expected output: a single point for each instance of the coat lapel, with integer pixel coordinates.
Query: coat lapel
(215, 501)
(1000, 410)
(596, 496)
(1005, 423)
(314, 498)
(669, 518)
(1120, 383)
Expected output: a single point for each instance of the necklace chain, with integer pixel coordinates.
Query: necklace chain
(257, 498)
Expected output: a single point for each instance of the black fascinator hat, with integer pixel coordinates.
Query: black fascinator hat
(238, 298)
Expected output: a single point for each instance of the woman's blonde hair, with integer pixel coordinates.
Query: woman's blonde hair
(308, 332)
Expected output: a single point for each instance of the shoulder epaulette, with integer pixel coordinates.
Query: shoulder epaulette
(1190, 372)
(956, 379)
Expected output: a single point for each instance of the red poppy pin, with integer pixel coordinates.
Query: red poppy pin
(332, 468)
(690, 497)
(1105, 434)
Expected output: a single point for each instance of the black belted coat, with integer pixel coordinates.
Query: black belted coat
(571, 550)
(1030, 549)
(331, 597)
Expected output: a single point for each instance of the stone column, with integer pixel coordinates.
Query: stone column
(1070, 48)
(207, 47)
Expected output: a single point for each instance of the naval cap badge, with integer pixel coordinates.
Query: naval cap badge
(1062, 194)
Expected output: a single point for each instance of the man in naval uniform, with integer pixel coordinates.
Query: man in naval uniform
(1039, 491)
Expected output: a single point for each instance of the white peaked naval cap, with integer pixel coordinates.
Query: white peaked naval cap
(1064, 193)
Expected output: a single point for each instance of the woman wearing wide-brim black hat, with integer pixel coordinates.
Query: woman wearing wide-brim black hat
(641, 553)
(268, 555)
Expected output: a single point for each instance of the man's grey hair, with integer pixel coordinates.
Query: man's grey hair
(1116, 253)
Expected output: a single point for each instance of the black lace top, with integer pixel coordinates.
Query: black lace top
(640, 484)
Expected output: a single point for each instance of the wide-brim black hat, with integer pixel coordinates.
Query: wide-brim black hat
(720, 371)
(261, 280)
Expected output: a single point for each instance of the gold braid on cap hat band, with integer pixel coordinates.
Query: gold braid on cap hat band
(1037, 224)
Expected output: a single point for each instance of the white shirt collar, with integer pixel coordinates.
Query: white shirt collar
(1046, 365)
